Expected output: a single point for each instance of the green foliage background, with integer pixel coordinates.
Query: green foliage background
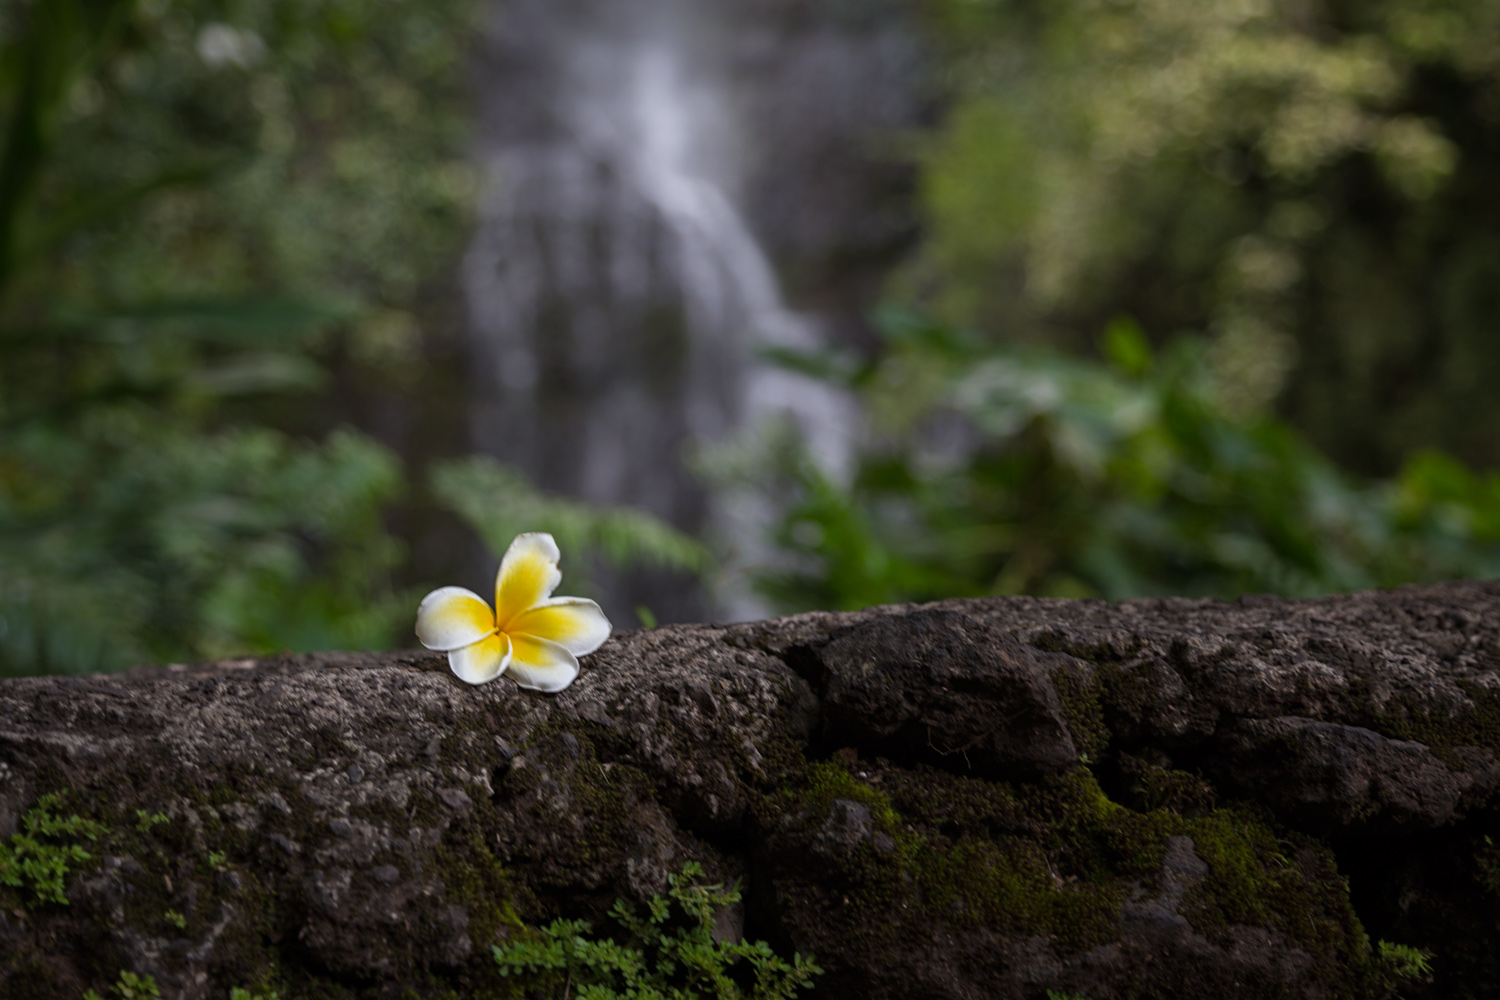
(1307, 185)
(1293, 206)
(197, 197)
(220, 220)
(992, 469)
(208, 211)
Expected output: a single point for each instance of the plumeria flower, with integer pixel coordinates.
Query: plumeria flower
(536, 636)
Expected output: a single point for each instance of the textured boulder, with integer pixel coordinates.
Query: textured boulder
(988, 798)
(942, 687)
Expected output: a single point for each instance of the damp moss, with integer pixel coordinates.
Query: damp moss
(157, 886)
(474, 877)
(603, 799)
(1056, 858)
(963, 851)
(1129, 694)
(1153, 786)
(1288, 882)
(1475, 726)
(1082, 710)
(828, 781)
(173, 892)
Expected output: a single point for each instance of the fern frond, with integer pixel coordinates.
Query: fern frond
(500, 503)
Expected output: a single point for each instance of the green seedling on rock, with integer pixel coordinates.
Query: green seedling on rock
(1405, 961)
(144, 821)
(668, 956)
(240, 994)
(176, 919)
(130, 987)
(33, 858)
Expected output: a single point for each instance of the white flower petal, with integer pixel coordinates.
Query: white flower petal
(483, 661)
(541, 664)
(574, 622)
(452, 618)
(528, 575)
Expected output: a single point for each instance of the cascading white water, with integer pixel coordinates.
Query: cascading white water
(618, 296)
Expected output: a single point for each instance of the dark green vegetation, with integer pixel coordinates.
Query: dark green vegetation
(157, 307)
(129, 987)
(999, 469)
(669, 953)
(1291, 209)
(1406, 961)
(214, 219)
(228, 232)
(1306, 187)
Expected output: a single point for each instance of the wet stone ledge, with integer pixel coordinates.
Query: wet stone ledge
(973, 799)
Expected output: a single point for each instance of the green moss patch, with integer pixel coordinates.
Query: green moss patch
(1152, 786)
(1082, 710)
(1056, 858)
(1290, 883)
(1478, 726)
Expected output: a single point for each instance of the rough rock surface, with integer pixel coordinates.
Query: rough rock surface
(975, 799)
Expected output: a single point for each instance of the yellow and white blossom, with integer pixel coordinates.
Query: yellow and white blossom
(536, 636)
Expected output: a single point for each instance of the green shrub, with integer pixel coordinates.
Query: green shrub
(995, 470)
(242, 994)
(130, 987)
(667, 955)
(1404, 961)
(34, 858)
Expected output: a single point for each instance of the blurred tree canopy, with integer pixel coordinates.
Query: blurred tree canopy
(1309, 184)
(1295, 200)
(202, 203)
(195, 199)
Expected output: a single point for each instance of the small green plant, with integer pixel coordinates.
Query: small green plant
(144, 821)
(130, 987)
(1405, 961)
(1054, 995)
(176, 919)
(668, 956)
(242, 994)
(32, 858)
(216, 859)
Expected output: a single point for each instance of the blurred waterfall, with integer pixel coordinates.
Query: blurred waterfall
(618, 292)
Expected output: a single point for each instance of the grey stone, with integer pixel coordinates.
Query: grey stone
(1364, 724)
